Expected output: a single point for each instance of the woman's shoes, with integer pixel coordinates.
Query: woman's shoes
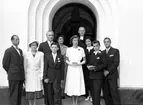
(89, 98)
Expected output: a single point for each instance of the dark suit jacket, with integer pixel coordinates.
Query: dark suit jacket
(99, 61)
(53, 70)
(112, 59)
(13, 64)
(81, 43)
(45, 48)
(85, 69)
(87, 53)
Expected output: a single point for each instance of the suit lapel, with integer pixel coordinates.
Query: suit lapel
(52, 59)
(56, 60)
(109, 52)
(21, 55)
(88, 51)
(16, 51)
(94, 53)
(47, 44)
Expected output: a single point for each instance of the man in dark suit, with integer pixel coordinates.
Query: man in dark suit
(96, 64)
(53, 75)
(45, 46)
(81, 43)
(88, 49)
(81, 32)
(13, 65)
(110, 88)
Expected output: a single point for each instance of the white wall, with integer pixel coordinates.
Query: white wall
(14, 22)
(130, 43)
(129, 31)
(2, 78)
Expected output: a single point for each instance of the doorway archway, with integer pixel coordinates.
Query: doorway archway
(70, 17)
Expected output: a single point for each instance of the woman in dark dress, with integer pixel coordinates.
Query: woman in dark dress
(89, 47)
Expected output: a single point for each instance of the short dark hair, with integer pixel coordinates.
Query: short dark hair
(96, 41)
(54, 43)
(60, 35)
(107, 38)
(88, 37)
(12, 37)
(71, 39)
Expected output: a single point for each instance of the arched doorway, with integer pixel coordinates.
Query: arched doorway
(70, 17)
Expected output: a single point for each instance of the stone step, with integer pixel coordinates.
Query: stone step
(128, 97)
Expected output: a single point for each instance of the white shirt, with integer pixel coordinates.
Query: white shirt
(107, 50)
(54, 56)
(81, 37)
(50, 43)
(95, 52)
(89, 48)
(17, 50)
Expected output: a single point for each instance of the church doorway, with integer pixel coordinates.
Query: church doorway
(70, 17)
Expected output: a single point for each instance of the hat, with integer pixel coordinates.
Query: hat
(33, 41)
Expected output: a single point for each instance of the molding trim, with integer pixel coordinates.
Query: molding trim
(41, 13)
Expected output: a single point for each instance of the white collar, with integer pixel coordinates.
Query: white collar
(81, 37)
(108, 48)
(54, 54)
(49, 42)
(15, 47)
(97, 51)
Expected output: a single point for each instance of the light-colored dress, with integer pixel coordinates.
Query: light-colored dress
(33, 71)
(74, 80)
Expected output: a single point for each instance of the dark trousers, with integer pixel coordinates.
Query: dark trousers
(110, 92)
(96, 85)
(53, 93)
(15, 92)
(45, 85)
(87, 86)
(87, 81)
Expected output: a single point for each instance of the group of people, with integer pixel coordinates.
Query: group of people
(50, 67)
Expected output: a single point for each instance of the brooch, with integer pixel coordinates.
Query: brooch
(59, 60)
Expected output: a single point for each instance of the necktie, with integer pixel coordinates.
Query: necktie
(107, 51)
(18, 51)
(54, 57)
